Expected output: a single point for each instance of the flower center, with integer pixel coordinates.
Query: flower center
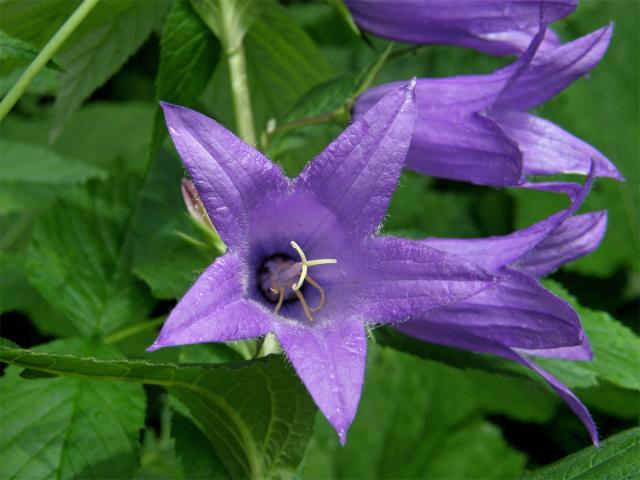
(280, 279)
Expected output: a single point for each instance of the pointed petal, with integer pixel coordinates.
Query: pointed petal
(231, 177)
(458, 337)
(494, 253)
(517, 313)
(214, 309)
(577, 352)
(496, 27)
(399, 278)
(330, 360)
(547, 149)
(575, 237)
(553, 70)
(356, 175)
(470, 148)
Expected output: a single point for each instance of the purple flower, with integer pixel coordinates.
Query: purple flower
(498, 27)
(518, 318)
(476, 128)
(303, 259)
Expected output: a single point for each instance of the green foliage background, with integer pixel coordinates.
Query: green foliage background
(96, 245)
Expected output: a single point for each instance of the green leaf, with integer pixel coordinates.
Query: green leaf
(68, 427)
(34, 22)
(15, 52)
(229, 21)
(616, 349)
(612, 400)
(110, 135)
(416, 419)
(194, 451)
(94, 54)
(257, 415)
(159, 227)
(17, 294)
(79, 259)
(617, 458)
(188, 56)
(31, 177)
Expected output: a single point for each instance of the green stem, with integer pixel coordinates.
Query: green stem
(240, 93)
(134, 329)
(45, 55)
(339, 115)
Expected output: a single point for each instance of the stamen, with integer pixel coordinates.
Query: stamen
(279, 291)
(304, 304)
(320, 289)
(306, 264)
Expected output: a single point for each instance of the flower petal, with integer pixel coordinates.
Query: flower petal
(471, 148)
(517, 313)
(214, 309)
(575, 237)
(458, 337)
(231, 177)
(547, 149)
(494, 253)
(330, 360)
(553, 70)
(499, 27)
(356, 175)
(399, 278)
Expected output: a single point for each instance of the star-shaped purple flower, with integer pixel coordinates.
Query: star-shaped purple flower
(498, 27)
(303, 259)
(477, 128)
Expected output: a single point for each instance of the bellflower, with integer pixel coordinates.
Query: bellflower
(498, 27)
(505, 320)
(303, 258)
(477, 128)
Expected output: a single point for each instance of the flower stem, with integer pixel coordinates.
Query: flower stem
(240, 93)
(45, 55)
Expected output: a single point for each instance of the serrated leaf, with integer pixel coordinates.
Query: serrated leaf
(616, 349)
(69, 428)
(416, 419)
(31, 177)
(94, 54)
(79, 259)
(188, 56)
(617, 458)
(256, 414)
(159, 227)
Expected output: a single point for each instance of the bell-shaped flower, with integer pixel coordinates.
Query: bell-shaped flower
(477, 128)
(498, 27)
(304, 260)
(518, 318)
